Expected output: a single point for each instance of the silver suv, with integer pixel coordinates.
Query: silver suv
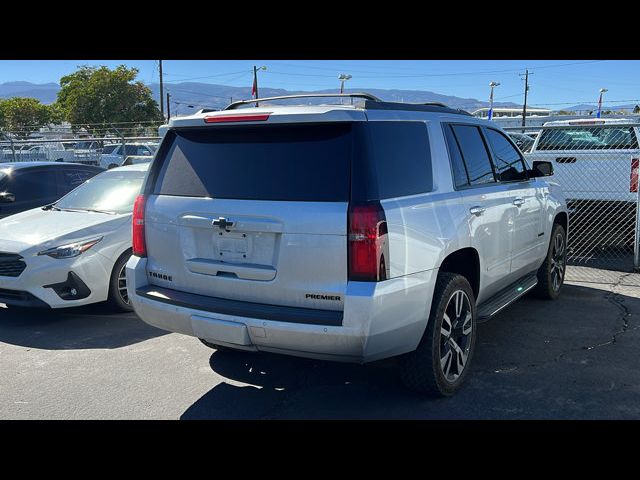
(350, 232)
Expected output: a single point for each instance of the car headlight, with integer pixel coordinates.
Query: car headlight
(70, 250)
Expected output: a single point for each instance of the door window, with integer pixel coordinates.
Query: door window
(460, 177)
(474, 154)
(508, 161)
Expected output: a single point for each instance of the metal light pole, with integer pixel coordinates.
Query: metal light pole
(492, 85)
(343, 78)
(602, 91)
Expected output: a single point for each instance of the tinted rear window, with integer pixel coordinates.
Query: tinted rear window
(309, 162)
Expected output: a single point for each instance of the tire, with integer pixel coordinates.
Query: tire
(214, 346)
(118, 299)
(551, 273)
(427, 369)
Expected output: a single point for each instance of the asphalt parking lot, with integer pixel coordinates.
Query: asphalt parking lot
(577, 358)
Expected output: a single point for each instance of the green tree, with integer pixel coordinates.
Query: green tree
(97, 97)
(22, 115)
(636, 109)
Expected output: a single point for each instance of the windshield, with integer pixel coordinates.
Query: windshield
(590, 138)
(112, 192)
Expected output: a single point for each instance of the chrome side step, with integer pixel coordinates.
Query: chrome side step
(506, 297)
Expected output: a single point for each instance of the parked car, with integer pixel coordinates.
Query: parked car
(112, 154)
(596, 161)
(88, 152)
(578, 149)
(25, 185)
(524, 142)
(51, 151)
(344, 232)
(73, 251)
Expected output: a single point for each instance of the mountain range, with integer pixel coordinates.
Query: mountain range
(189, 96)
(199, 95)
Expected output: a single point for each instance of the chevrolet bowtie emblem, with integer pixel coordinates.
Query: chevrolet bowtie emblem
(223, 223)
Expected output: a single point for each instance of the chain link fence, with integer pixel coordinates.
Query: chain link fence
(106, 152)
(596, 163)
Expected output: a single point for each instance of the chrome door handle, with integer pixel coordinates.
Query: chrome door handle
(477, 211)
(518, 202)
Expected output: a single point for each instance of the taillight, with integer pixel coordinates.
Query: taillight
(368, 249)
(139, 244)
(633, 181)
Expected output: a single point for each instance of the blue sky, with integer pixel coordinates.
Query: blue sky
(553, 82)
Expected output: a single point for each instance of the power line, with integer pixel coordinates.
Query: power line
(200, 94)
(384, 75)
(242, 72)
(576, 102)
(487, 72)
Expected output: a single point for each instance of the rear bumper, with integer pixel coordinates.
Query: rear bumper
(379, 319)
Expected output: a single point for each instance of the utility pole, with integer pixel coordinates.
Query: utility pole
(254, 89)
(168, 107)
(161, 91)
(526, 91)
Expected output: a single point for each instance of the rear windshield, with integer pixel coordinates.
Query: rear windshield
(308, 162)
(588, 138)
(303, 162)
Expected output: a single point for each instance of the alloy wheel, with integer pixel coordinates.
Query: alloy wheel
(558, 262)
(122, 284)
(455, 335)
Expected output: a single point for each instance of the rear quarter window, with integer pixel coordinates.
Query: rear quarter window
(394, 160)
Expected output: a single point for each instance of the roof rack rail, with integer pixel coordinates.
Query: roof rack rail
(435, 107)
(366, 96)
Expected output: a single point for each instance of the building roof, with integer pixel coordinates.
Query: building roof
(512, 109)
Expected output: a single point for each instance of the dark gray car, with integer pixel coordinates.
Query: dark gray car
(26, 185)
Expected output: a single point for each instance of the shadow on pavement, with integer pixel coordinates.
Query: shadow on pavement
(301, 388)
(537, 359)
(92, 326)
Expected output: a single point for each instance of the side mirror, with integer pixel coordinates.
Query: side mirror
(6, 197)
(541, 169)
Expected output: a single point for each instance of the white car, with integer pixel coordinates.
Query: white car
(112, 156)
(72, 252)
(594, 159)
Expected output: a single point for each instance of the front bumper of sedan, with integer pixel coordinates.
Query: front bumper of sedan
(58, 283)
